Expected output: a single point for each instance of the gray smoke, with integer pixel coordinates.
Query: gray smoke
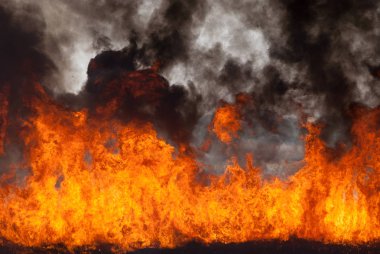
(292, 57)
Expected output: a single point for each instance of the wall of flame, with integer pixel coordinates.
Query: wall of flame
(103, 180)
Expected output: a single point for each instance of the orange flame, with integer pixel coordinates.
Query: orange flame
(109, 181)
(226, 123)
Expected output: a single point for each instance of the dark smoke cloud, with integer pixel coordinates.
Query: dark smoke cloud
(292, 57)
(316, 38)
(166, 40)
(77, 31)
(21, 38)
(22, 64)
(322, 55)
(143, 94)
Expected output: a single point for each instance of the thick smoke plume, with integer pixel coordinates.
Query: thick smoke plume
(292, 58)
(21, 64)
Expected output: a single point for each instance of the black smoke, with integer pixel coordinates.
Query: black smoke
(140, 94)
(292, 58)
(22, 65)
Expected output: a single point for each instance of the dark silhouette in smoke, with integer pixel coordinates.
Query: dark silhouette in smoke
(139, 94)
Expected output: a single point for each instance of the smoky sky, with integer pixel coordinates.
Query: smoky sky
(293, 58)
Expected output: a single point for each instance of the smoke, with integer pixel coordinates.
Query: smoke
(20, 55)
(292, 58)
(22, 64)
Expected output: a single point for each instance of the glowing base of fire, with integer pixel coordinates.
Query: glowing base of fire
(294, 246)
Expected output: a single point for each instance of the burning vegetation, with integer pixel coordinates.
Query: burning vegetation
(88, 177)
(261, 147)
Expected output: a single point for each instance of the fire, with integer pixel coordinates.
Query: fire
(226, 123)
(97, 179)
